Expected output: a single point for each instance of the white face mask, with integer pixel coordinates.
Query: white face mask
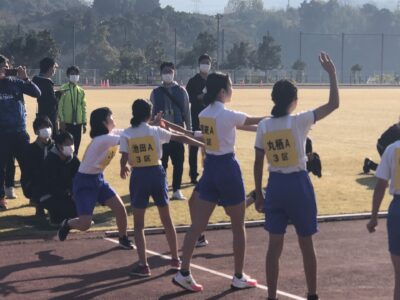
(205, 68)
(74, 78)
(45, 133)
(167, 78)
(68, 150)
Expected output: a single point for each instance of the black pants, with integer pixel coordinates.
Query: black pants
(10, 173)
(12, 145)
(381, 150)
(60, 208)
(177, 153)
(76, 131)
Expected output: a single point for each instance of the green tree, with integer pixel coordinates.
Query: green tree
(204, 43)
(29, 49)
(239, 56)
(99, 54)
(299, 66)
(154, 54)
(268, 54)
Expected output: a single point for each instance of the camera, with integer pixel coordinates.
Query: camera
(11, 72)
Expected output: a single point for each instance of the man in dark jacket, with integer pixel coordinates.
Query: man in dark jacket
(173, 101)
(13, 135)
(47, 102)
(195, 89)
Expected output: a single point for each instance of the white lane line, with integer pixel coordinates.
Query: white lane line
(260, 286)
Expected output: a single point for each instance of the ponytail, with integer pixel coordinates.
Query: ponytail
(141, 111)
(214, 84)
(283, 94)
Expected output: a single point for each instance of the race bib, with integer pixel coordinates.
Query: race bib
(143, 152)
(209, 129)
(109, 156)
(397, 171)
(280, 148)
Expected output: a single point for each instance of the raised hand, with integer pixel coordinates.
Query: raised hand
(21, 72)
(327, 63)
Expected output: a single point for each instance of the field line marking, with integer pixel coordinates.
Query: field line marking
(211, 271)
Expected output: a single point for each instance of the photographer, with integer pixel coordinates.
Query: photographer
(13, 117)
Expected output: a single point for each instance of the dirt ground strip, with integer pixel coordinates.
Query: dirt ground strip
(352, 265)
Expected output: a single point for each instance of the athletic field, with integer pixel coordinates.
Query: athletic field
(353, 264)
(342, 140)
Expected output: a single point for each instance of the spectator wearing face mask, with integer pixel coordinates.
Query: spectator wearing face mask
(173, 100)
(36, 153)
(72, 107)
(47, 102)
(14, 138)
(59, 169)
(195, 89)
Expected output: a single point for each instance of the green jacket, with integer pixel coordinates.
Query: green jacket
(72, 104)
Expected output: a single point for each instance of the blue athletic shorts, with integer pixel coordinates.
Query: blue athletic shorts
(290, 198)
(222, 181)
(393, 226)
(88, 190)
(146, 182)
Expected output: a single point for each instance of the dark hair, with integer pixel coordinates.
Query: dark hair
(214, 84)
(63, 136)
(167, 64)
(72, 69)
(283, 94)
(46, 63)
(141, 111)
(204, 56)
(41, 121)
(3, 59)
(97, 119)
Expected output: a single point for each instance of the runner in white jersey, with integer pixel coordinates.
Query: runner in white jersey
(89, 187)
(141, 148)
(289, 194)
(389, 172)
(221, 182)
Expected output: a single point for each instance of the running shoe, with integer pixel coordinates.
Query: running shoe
(201, 242)
(244, 282)
(312, 297)
(141, 271)
(177, 195)
(63, 230)
(125, 243)
(3, 204)
(187, 282)
(366, 166)
(175, 264)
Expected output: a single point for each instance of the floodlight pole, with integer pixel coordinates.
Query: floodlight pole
(218, 17)
(175, 47)
(74, 45)
(382, 55)
(342, 59)
(300, 45)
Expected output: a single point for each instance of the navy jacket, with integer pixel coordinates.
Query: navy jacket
(12, 105)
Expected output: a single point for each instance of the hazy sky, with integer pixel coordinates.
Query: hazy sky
(214, 6)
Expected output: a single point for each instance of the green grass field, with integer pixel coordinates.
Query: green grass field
(343, 140)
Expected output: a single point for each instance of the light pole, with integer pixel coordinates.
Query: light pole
(218, 17)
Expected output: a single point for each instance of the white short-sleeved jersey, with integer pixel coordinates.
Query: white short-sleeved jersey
(389, 167)
(144, 144)
(100, 152)
(283, 140)
(218, 127)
